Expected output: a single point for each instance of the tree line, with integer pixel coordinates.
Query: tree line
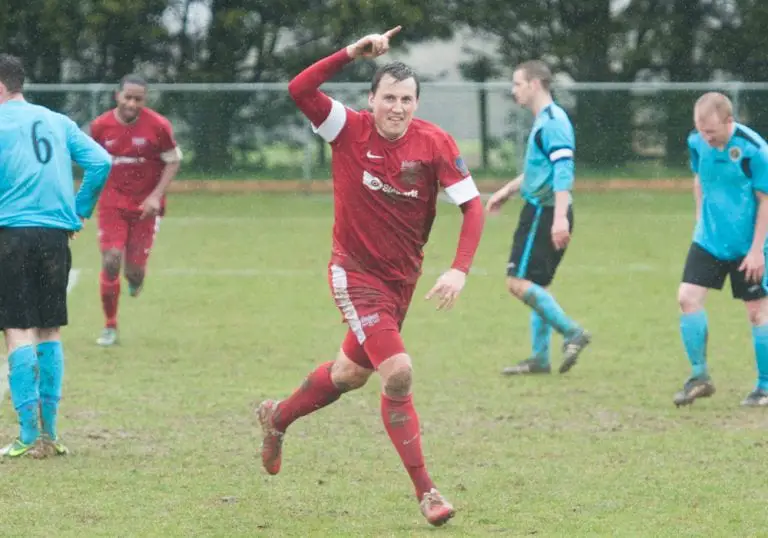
(271, 40)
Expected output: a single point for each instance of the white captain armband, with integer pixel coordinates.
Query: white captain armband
(333, 124)
(171, 156)
(560, 154)
(463, 191)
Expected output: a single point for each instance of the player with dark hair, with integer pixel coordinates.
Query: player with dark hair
(38, 214)
(387, 170)
(146, 159)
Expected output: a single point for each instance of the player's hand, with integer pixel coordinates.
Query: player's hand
(372, 45)
(753, 265)
(151, 206)
(561, 233)
(73, 234)
(447, 288)
(497, 199)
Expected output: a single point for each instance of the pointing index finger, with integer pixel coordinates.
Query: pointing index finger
(392, 31)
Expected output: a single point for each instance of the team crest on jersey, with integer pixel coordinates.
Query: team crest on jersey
(461, 166)
(734, 153)
(138, 141)
(410, 172)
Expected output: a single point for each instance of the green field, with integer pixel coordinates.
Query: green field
(282, 161)
(237, 309)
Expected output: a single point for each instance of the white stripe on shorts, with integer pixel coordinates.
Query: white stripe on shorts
(344, 302)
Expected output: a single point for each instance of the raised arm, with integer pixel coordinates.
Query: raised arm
(327, 115)
(313, 103)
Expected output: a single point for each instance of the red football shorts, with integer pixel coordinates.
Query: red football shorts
(374, 310)
(124, 230)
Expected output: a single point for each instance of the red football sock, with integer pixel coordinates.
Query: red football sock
(402, 424)
(315, 392)
(110, 293)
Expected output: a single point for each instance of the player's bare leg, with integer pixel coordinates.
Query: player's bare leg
(135, 274)
(111, 261)
(402, 424)
(322, 387)
(575, 338)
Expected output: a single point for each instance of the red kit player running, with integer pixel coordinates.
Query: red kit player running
(145, 161)
(387, 170)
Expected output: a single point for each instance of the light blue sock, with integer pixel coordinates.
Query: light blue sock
(22, 379)
(693, 329)
(541, 334)
(760, 340)
(51, 358)
(542, 302)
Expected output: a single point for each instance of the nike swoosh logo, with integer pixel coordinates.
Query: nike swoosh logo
(372, 156)
(409, 441)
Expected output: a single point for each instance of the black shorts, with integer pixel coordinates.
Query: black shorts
(703, 269)
(533, 255)
(34, 264)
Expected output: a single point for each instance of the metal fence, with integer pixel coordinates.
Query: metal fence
(255, 130)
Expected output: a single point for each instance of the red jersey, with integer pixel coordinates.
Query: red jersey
(385, 192)
(138, 150)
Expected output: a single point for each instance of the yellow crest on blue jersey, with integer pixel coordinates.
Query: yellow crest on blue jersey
(734, 153)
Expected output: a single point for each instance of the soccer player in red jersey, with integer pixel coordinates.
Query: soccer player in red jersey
(145, 161)
(387, 169)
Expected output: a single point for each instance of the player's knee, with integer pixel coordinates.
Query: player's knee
(397, 376)
(690, 298)
(517, 286)
(347, 375)
(48, 335)
(134, 274)
(757, 311)
(16, 338)
(110, 263)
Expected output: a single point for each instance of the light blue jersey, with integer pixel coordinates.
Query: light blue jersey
(548, 157)
(37, 147)
(729, 179)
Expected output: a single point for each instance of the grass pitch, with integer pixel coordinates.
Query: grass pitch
(237, 309)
